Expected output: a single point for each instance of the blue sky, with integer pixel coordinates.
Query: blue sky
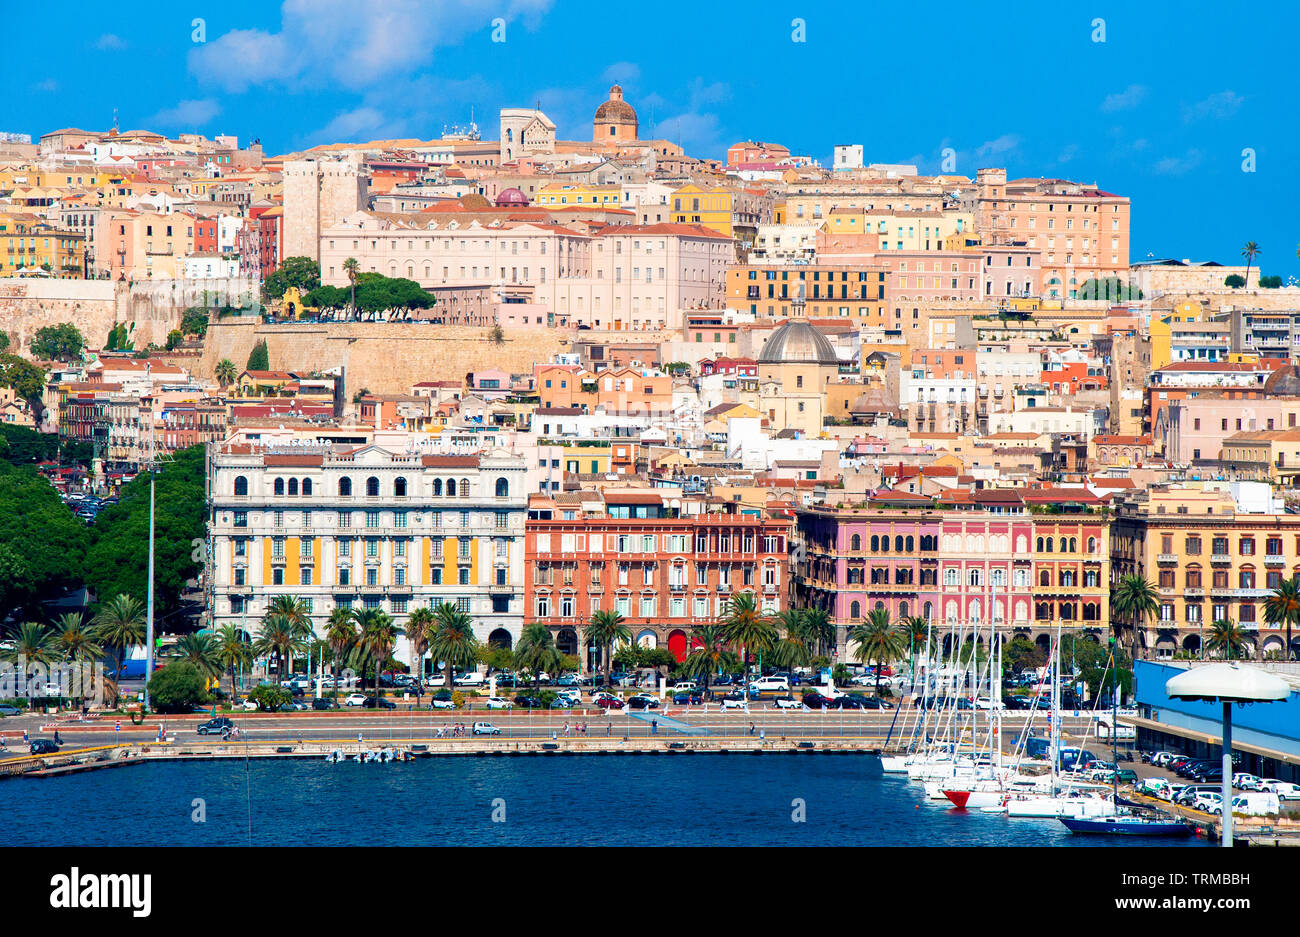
(1161, 110)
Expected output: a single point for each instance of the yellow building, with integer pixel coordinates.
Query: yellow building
(899, 229)
(557, 195)
(30, 246)
(1162, 331)
(712, 208)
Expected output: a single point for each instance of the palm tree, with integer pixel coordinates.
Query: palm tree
(33, 643)
(1133, 598)
(295, 610)
(1283, 607)
(279, 637)
(419, 627)
(877, 639)
(820, 629)
(75, 643)
(226, 372)
(233, 652)
(1228, 637)
(709, 654)
(341, 633)
(915, 628)
(605, 628)
(352, 268)
(789, 653)
(378, 637)
(453, 641)
(201, 650)
(537, 652)
(1250, 252)
(744, 626)
(120, 624)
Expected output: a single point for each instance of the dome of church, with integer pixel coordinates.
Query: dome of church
(615, 110)
(1284, 382)
(797, 342)
(511, 197)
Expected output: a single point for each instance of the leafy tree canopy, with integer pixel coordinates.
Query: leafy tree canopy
(374, 292)
(1109, 288)
(27, 379)
(259, 359)
(195, 321)
(61, 342)
(1234, 280)
(42, 544)
(302, 272)
(177, 688)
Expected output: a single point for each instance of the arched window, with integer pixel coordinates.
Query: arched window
(399, 487)
(1049, 544)
(1044, 578)
(451, 488)
(855, 542)
(372, 487)
(928, 613)
(293, 486)
(999, 577)
(464, 487)
(1092, 544)
(855, 609)
(278, 487)
(503, 488)
(1074, 544)
(951, 577)
(902, 609)
(1038, 545)
(884, 544)
(910, 541)
(241, 485)
(875, 544)
(974, 577)
(898, 544)
(1065, 545)
(345, 487)
(437, 487)
(306, 487)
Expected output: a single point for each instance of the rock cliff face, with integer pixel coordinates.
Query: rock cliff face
(385, 358)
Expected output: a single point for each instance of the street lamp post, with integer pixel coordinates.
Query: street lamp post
(148, 638)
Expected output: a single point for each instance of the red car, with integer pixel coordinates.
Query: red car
(609, 702)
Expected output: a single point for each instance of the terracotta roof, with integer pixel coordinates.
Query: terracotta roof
(297, 459)
(449, 461)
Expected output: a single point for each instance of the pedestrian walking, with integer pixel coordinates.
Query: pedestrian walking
(751, 728)
(654, 726)
(57, 740)
(26, 738)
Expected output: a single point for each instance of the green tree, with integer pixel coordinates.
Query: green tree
(120, 624)
(42, 544)
(709, 654)
(4, 341)
(119, 338)
(744, 626)
(877, 639)
(452, 641)
(270, 698)
(259, 359)
(226, 372)
(174, 339)
(280, 638)
(497, 335)
(536, 652)
(118, 556)
(1234, 281)
(351, 268)
(419, 629)
(61, 342)
(603, 630)
(202, 651)
(326, 297)
(341, 633)
(75, 641)
(379, 634)
(1228, 638)
(195, 322)
(1133, 600)
(300, 272)
(1250, 252)
(177, 688)
(27, 381)
(295, 610)
(234, 652)
(1273, 282)
(1283, 608)
(30, 643)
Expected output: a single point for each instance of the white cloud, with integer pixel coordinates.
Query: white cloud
(1125, 100)
(323, 42)
(110, 43)
(1178, 165)
(1070, 152)
(623, 73)
(359, 125)
(189, 114)
(1219, 106)
(1003, 145)
(697, 127)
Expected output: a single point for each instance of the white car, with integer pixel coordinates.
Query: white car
(1245, 782)
(1283, 789)
(985, 702)
(485, 728)
(1208, 801)
(787, 702)
(733, 704)
(250, 706)
(355, 699)
(770, 684)
(441, 703)
(497, 702)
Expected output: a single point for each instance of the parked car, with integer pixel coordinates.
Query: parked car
(215, 726)
(733, 701)
(1283, 789)
(441, 700)
(641, 701)
(1208, 801)
(815, 700)
(44, 747)
(848, 701)
(609, 702)
(564, 702)
(770, 685)
(497, 702)
(786, 702)
(355, 699)
(1245, 782)
(528, 702)
(1257, 804)
(685, 686)
(691, 697)
(323, 702)
(7, 710)
(1189, 792)
(378, 702)
(485, 728)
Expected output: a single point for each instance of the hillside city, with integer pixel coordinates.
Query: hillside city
(539, 380)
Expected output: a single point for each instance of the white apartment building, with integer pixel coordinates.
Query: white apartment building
(349, 527)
